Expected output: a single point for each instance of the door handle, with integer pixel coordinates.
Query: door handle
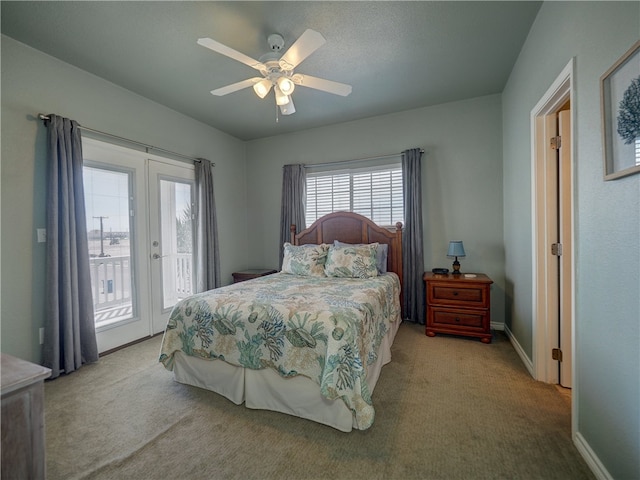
(156, 256)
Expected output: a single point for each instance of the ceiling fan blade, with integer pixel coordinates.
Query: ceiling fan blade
(230, 52)
(304, 46)
(321, 84)
(234, 87)
(289, 108)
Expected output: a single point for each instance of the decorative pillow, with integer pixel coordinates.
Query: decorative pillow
(355, 261)
(304, 259)
(381, 253)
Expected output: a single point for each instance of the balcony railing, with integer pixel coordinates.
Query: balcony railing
(111, 284)
(110, 281)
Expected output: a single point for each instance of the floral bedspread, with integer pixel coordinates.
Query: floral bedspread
(325, 328)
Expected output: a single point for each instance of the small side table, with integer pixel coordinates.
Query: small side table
(251, 273)
(459, 305)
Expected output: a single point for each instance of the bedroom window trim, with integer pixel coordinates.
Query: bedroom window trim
(348, 189)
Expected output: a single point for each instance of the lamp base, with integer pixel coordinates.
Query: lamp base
(456, 267)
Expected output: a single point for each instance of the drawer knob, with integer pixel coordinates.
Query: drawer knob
(455, 294)
(457, 319)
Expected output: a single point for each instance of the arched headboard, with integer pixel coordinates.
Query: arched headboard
(351, 227)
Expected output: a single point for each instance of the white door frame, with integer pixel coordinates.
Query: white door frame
(545, 326)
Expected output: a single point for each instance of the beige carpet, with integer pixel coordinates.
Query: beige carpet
(446, 408)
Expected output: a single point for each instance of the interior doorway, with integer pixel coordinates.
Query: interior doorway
(552, 216)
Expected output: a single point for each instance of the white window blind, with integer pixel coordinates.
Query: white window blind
(375, 193)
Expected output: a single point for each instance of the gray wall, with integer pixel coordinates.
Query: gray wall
(35, 83)
(607, 222)
(462, 179)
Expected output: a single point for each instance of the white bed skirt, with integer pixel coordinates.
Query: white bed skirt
(266, 390)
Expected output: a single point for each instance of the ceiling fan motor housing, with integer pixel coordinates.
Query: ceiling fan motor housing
(276, 42)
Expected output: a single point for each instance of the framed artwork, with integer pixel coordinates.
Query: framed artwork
(620, 105)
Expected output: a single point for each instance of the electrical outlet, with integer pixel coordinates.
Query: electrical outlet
(41, 336)
(41, 233)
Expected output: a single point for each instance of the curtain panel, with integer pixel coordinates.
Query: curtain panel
(207, 255)
(293, 198)
(412, 237)
(70, 335)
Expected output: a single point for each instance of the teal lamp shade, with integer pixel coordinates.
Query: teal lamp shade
(456, 249)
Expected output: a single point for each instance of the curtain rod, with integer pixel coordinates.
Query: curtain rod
(42, 116)
(356, 160)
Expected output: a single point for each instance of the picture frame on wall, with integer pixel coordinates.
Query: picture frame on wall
(620, 106)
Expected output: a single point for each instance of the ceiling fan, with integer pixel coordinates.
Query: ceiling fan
(277, 71)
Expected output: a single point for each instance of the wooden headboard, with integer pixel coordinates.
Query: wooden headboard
(351, 227)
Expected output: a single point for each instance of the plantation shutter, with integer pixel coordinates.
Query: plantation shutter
(375, 193)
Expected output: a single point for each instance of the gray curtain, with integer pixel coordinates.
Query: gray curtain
(412, 238)
(70, 334)
(293, 199)
(207, 257)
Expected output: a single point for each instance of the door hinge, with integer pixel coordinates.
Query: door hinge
(556, 354)
(556, 249)
(556, 143)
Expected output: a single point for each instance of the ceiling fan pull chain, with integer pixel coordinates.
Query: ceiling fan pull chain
(277, 117)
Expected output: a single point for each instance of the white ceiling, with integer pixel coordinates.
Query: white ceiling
(396, 55)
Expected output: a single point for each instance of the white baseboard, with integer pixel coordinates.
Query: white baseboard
(528, 363)
(497, 326)
(591, 458)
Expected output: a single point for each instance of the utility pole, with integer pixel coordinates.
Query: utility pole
(101, 237)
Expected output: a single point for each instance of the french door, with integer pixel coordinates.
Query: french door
(139, 210)
(171, 213)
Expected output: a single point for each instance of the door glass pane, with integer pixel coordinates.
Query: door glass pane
(177, 241)
(107, 195)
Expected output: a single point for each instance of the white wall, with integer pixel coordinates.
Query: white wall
(33, 83)
(461, 169)
(607, 221)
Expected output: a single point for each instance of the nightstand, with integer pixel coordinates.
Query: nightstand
(459, 305)
(251, 273)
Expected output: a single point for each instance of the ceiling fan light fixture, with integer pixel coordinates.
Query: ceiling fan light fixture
(262, 87)
(286, 85)
(281, 98)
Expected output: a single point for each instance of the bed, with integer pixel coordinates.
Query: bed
(297, 341)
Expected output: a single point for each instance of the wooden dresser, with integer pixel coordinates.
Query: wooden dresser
(251, 273)
(23, 454)
(459, 305)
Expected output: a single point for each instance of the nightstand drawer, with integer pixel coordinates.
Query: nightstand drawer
(458, 294)
(459, 318)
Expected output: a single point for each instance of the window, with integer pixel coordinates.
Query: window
(374, 192)
(107, 193)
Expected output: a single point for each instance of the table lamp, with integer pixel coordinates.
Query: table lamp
(456, 249)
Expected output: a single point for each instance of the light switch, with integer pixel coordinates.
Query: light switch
(41, 234)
